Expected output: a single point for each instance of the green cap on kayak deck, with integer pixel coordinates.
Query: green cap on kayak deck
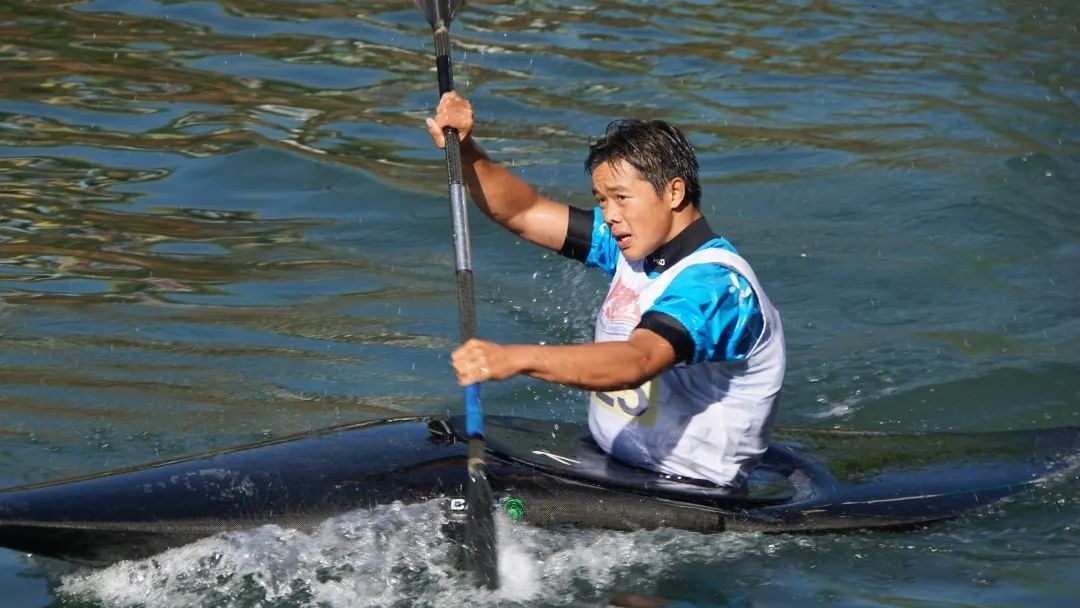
(515, 509)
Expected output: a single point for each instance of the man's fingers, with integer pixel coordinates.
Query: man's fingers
(435, 132)
(471, 373)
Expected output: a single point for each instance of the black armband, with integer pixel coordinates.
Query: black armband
(578, 234)
(670, 329)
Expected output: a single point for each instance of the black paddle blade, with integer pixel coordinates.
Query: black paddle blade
(439, 13)
(481, 555)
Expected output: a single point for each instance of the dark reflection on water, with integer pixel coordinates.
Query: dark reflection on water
(223, 220)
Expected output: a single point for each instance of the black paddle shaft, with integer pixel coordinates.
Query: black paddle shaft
(458, 216)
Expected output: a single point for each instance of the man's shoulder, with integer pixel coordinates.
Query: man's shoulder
(706, 281)
(712, 284)
(718, 242)
(715, 259)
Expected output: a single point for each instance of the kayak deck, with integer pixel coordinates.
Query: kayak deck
(808, 480)
(566, 450)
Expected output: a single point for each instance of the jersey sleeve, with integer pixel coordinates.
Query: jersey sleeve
(716, 307)
(589, 240)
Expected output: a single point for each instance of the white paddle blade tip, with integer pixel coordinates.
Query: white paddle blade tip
(439, 13)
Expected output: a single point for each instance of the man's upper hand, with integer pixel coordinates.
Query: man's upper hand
(453, 111)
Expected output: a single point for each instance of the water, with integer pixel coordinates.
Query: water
(221, 221)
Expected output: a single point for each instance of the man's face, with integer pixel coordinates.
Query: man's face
(639, 219)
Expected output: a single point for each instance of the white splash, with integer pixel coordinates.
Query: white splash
(395, 556)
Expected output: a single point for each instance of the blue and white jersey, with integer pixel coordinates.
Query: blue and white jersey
(708, 417)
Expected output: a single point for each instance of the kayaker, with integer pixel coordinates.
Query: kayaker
(688, 357)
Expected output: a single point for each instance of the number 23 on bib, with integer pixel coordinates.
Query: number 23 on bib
(637, 404)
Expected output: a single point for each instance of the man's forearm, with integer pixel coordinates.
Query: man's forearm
(600, 366)
(501, 195)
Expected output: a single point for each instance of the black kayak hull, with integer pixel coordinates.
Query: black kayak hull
(545, 473)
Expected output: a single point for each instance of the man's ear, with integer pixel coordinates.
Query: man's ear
(676, 192)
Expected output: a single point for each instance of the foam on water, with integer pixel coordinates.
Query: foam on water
(392, 556)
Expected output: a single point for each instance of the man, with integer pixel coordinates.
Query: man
(689, 352)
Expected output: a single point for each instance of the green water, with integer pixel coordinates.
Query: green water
(221, 221)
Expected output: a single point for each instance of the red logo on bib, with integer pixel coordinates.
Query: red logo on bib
(621, 305)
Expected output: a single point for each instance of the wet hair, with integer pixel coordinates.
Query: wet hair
(658, 150)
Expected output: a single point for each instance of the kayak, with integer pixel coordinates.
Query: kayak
(542, 473)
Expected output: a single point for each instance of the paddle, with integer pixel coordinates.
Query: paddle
(480, 551)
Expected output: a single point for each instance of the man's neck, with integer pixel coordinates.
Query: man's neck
(693, 235)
